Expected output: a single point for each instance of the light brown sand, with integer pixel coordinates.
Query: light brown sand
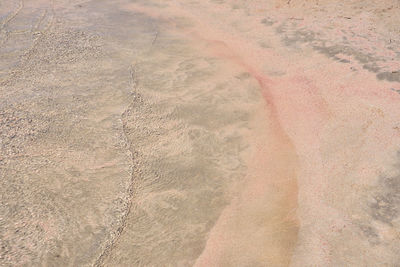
(207, 133)
(321, 108)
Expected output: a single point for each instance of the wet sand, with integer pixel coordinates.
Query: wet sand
(206, 133)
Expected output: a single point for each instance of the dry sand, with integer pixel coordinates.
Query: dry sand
(206, 133)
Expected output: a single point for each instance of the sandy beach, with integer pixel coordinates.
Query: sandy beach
(199, 133)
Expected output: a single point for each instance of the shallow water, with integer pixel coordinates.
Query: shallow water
(119, 140)
(152, 133)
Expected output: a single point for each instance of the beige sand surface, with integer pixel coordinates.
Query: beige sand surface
(205, 133)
